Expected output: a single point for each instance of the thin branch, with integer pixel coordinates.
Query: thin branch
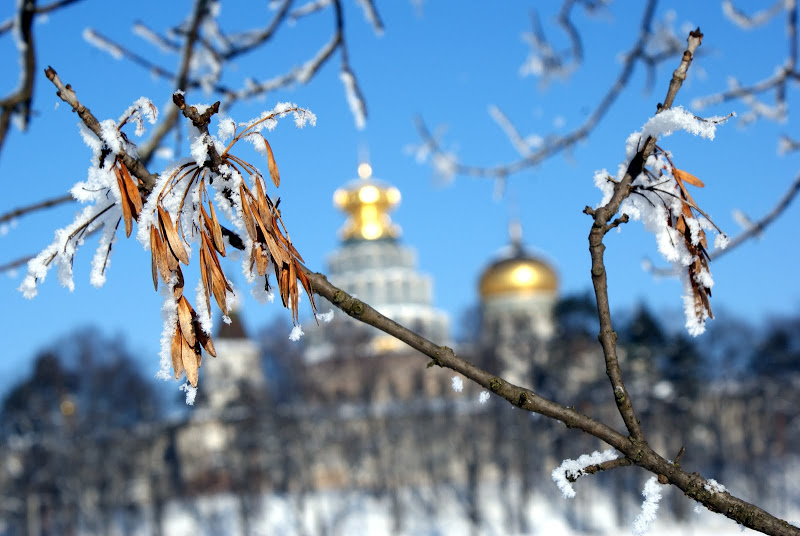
(640, 454)
(67, 94)
(47, 203)
(7, 267)
(181, 82)
(759, 226)
(19, 102)
(7, 24)
(599, 467)
(559, 143)
(600, 227)
(784, 73)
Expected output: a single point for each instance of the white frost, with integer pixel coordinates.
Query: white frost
(325, 317)
(652, 495)
(191, 393)
(354, 100)
(95, 39)
(458, 385)
(714, 487)
(296, 333)
(574, 469)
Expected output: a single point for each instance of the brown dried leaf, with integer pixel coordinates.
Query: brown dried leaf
(177, 290)
(262, 261)
(247, 214)
(190, 362)
(273, 167)
(132, 190)
(125, 204)
(279, 255)
(154, 256)
(172, 236)
(205, 275)
(212, 256)
(293, 292)
(685, 176)
(283, 284)
(263, 206)
(159, 249)
(218, 286)
(306, 282)
(205, 339)
(680, 225)
(216, 231)
(185, 313)
(175, 349)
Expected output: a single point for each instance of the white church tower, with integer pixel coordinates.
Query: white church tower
(375, 267)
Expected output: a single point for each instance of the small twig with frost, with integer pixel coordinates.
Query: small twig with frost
(571, 470)
(555, 144)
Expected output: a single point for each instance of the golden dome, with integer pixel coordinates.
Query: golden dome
(519, 273)
(367, 202)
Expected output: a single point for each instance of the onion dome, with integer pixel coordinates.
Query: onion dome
(367, 203)
(518, 274)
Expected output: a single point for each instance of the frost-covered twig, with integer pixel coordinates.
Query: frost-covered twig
(67, 94)
(206, 50)
(18, 104)
(639, 53)
(571, 470)
(747, 22)
(784, 74)
(621, 190)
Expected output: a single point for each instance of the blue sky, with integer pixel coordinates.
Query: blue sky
(446, 63)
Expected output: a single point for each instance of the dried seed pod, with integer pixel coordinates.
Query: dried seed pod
(175, 349)
(173, 239)
(185, 313)
(273, 167)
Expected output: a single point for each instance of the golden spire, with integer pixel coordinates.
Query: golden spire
(367, 203)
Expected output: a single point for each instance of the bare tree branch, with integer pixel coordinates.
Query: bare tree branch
(19, 102)
(47, 203)
(555, 144)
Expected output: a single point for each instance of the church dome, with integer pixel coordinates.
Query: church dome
(518, 274)
(368, 202)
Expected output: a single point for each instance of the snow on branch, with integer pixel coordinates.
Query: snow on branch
(570, 470)
(748, 22)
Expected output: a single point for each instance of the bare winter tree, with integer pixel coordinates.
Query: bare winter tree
(214, 201)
